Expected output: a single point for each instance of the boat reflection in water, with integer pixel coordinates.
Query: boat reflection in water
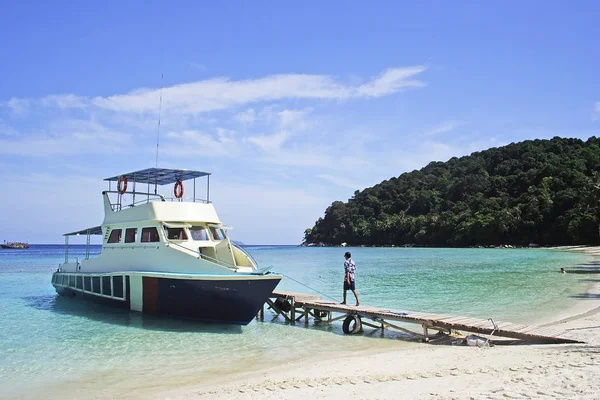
(166, 256)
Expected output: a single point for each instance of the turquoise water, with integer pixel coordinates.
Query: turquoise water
(50, 345)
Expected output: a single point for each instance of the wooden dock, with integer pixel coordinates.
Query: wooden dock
(297, 306)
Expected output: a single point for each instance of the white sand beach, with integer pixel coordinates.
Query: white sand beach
(430, 371)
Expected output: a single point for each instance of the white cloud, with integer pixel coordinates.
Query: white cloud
(304, 156)
(6, 130)
(64, 101)
(21, 106)
(432, 150)
(257, 219)
(287, 122)
(67, 137)
(18, 106)
(391, 81)
(223, 93)
(73, 143)
(199, 66)
(288, 119)
(341, 181)
(294, 119)
(443, 127)
(193, 142)
(246, 117)
(269, 143)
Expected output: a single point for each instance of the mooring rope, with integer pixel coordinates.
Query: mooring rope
(308, 287)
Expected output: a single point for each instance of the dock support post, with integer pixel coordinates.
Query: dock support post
(262, 313)
(305, 315)
(425, 333)
(293, 309)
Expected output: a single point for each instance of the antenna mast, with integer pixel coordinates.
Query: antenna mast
(159, 110)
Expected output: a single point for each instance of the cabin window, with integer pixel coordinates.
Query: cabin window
(198, 233)
(87, 284)
(115, 236)
(96, 284)
(72, 280)
(106, 286)
(65, 280)
(175, 233)
(217, 233)
(118, 286)
(130, 234)
(79, 282)
(149, 235)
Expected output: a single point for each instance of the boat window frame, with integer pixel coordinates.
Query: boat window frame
(183, 230)
(135, 235)
(204, 228)
(150, 241)
(211, 228)
(120, 230)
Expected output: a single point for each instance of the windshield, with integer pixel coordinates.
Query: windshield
(175, 233)
(199, 233)
(217, 233)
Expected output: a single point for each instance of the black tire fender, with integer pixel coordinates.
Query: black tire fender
(283, 304)
(347, 325)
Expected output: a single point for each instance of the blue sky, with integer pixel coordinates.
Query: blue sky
(290, 106)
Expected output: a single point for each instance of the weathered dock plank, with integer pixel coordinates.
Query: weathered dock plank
(308, 304)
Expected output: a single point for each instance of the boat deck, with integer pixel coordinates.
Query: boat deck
(297, 306)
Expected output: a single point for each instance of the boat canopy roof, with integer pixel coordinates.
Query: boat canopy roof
(96, 230)
(159, 176)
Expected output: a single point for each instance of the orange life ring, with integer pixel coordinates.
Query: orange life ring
(178, 190)
(123, 181)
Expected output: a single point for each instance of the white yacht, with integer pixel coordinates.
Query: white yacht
(166, 256)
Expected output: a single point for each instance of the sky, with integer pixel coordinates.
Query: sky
(290, 106)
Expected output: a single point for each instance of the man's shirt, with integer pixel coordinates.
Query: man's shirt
(350, 267)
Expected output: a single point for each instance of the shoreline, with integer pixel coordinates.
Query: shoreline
(419, 370)
(589, 303)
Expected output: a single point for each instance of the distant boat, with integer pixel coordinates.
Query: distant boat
(14, 245)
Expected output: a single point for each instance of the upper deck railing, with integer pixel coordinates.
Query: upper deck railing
(153, 178)
(137, 198)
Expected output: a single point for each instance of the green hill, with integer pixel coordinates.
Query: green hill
(537, 191)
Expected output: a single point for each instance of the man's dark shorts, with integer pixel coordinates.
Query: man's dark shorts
(351, 286)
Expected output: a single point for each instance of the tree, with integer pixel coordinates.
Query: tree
(542, 191)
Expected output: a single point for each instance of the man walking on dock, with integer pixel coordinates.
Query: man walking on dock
(349, 278)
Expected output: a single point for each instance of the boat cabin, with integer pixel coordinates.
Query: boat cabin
(140, 214)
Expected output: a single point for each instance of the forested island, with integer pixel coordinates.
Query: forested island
(537, 191)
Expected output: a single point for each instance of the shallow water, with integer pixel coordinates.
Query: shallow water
(51, 345)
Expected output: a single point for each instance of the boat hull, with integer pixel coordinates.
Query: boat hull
(230, 301)
(234, 300)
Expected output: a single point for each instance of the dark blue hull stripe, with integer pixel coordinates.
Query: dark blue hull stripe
(223, 301)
